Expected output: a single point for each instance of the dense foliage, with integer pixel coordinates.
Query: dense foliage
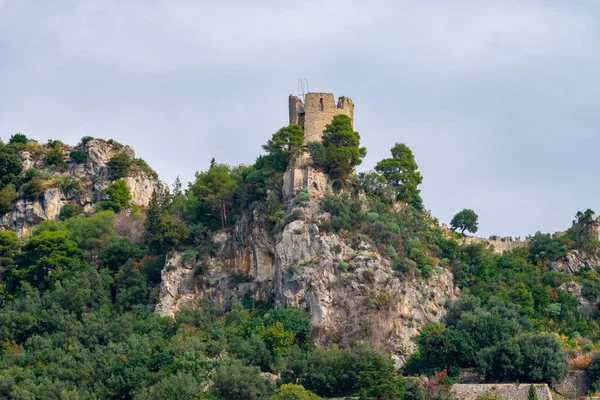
(76, 297)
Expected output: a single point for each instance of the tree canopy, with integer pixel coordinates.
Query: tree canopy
(401, 173)
(465, 220)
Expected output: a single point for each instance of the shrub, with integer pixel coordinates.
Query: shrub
(34, 189)
(78, 156)
(303, 197)
(7, 195)
(67, 211)
(594, 371)
(86, 139)
(119, 196)
(18, 138)
(119, 165)
(291, 391)
(233, 380)
(143, 166)
(318, 154)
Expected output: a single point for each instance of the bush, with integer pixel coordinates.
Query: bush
(119, 165)
(119, 196)
(78, 156)
(318, 154)
(291, 391)
(594, 371)
(86, 139)
(34, 189)
(7, 195)
(55, 156)
(233, 380)
(18, 138)
(67, 211)
(10, 166)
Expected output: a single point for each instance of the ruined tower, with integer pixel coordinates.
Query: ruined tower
(317, 110)
(313, 115)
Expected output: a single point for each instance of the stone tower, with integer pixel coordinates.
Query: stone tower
(316, 112)
(313, 115)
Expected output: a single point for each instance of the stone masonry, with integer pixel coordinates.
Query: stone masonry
(506, 391)
(313, 115)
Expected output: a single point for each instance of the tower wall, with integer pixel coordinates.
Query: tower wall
(317, 112)
(313, 115)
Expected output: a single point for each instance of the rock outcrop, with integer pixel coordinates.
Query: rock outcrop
(350, 292)
(574, 261)
(79, 184)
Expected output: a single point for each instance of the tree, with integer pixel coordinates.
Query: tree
(232, 380)
(119, 196)
(465, 220)
(291, 391)
(10, 166)
(585, 217)
(165, 231)
(593, 371)
(9, 248)
(45, 252)
(119, 165)
(532, 394)
(18, 138)
(401, 173)
(284, 144)
(342, 146)
(210, 197)
(7, 195)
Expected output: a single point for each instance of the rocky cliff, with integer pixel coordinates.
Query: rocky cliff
(349, 289)
(80, 183)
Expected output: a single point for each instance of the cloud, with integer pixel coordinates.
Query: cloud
(497, 99)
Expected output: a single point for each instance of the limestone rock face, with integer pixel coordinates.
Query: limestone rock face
(79, 184)
(575, 260)
(351, 293)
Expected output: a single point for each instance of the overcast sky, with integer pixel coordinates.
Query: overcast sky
(497, 99)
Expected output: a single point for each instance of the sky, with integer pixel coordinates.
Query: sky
(497, 99)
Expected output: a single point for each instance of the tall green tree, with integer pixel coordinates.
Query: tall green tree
(465, 220)
(342, 146)
(284, 144)
(210, 197)
(10, 166)
(45, 253)
(119, 196)
(9, 248)
(401, 173)
(165, 231)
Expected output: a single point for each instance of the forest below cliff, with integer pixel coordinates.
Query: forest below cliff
(78, 292)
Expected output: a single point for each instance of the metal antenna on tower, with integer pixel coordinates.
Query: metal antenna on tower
(306, 82)
(301, 93)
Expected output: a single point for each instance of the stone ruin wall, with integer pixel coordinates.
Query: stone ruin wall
(313, 115)
(501, 391)
(500, 244)
(317, 112)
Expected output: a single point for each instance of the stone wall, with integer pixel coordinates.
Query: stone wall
(316, 112)
(498, 244)
(313, 115)
(507, 391)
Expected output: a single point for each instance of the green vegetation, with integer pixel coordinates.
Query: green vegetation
(18, 138)
(119, 165)
(285, 143)
(401, 174)
(119, 196)
(78, 156)
(76, 297)
(340, 151)
(465, 220)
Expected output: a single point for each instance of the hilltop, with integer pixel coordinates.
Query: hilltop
(279, 274)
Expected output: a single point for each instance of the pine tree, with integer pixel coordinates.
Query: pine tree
(532, 395)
